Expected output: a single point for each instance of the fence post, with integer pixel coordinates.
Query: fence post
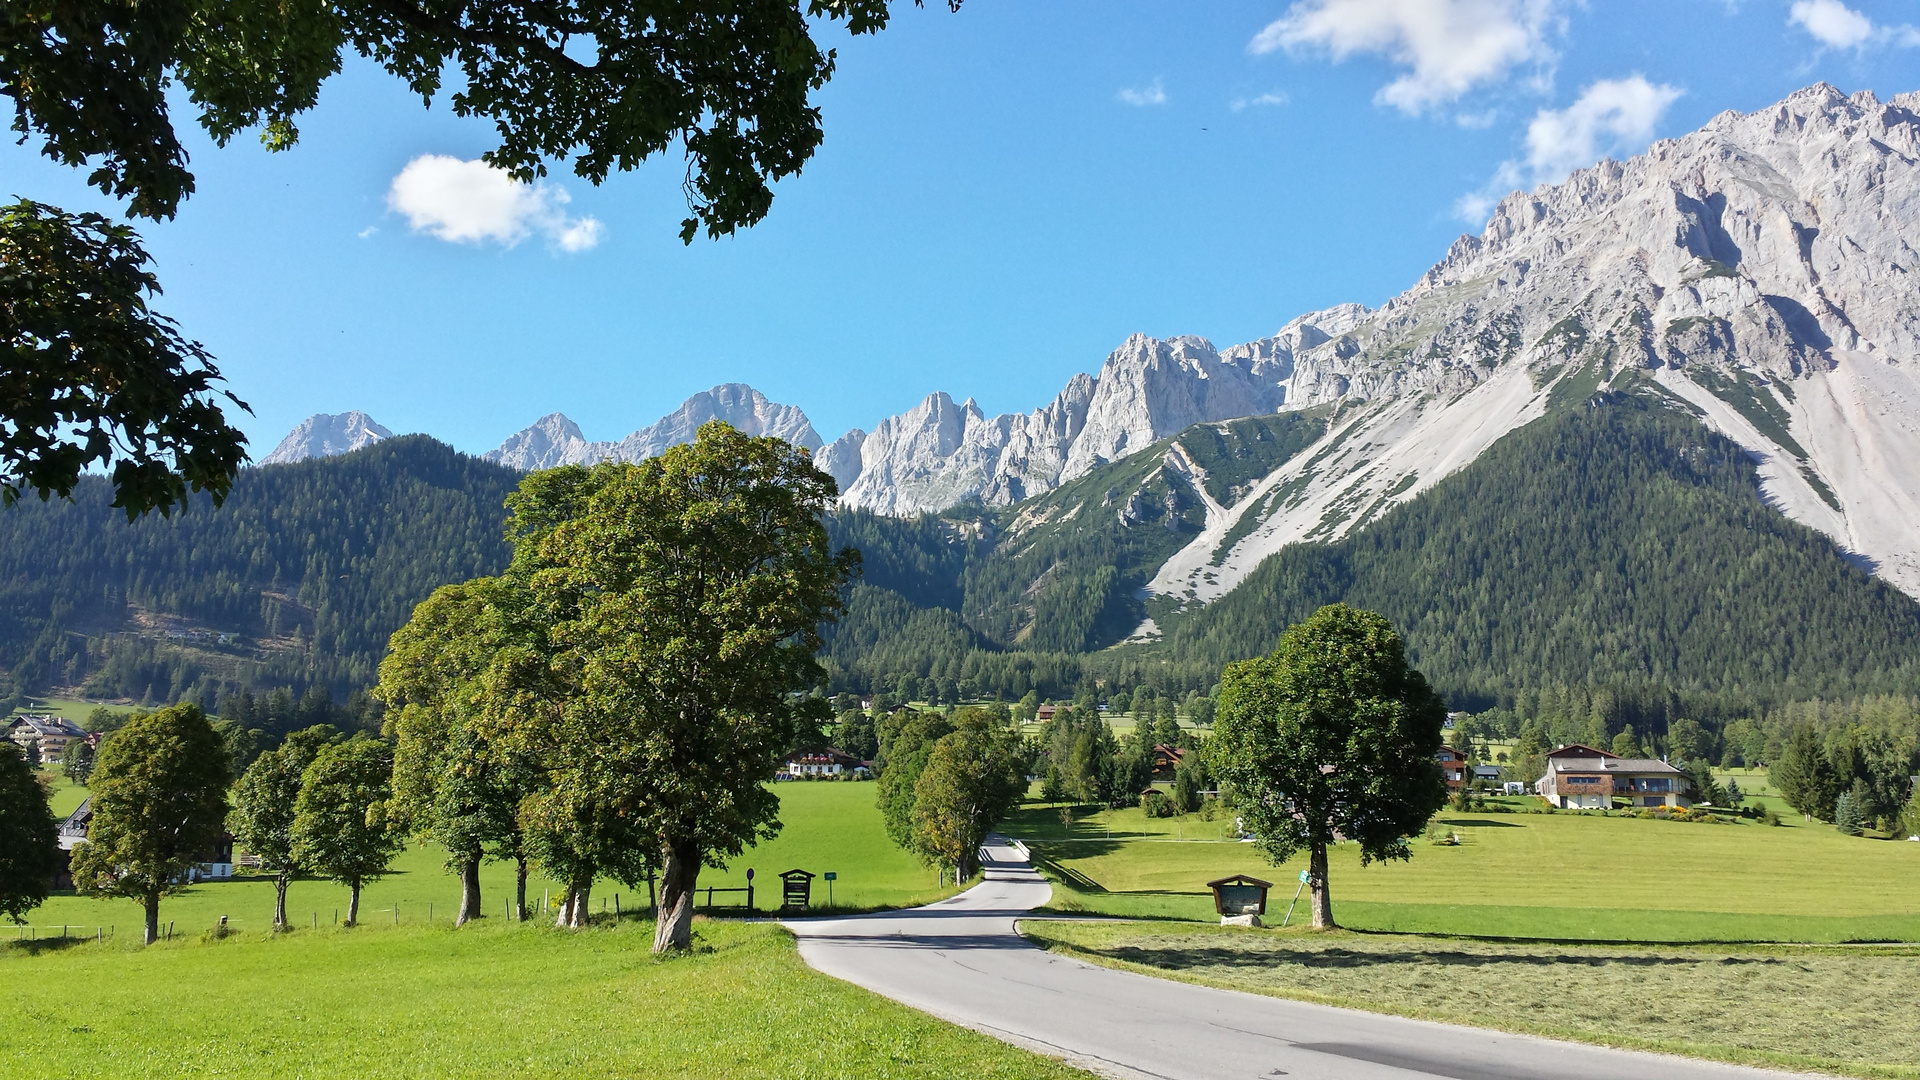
(616, 906)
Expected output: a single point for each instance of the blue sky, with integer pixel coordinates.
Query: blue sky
(1003, 195)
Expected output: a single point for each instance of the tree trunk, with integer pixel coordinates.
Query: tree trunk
(280, 882)
(573, 910)
(1322, 897)
(353, 902)
(520, 887)
(679, 873)
(152, 901)
(469, 891)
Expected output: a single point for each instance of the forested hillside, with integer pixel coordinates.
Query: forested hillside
(1614, 556)
(297, 580)
(1616, 545)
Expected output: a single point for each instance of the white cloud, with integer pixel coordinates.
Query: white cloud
(471, 202)
(1832, 22)
(1271, 97)
(368, 232)
(1838, 26)
(1154, 93)
(1610, 116)
(1450, 46)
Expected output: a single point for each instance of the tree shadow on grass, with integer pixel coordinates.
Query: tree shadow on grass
(1265, 957)
(1468, 823)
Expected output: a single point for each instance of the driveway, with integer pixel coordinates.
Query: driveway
(961, 960)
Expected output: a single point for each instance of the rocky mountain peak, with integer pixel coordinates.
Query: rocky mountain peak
(554, 440)
(327, 434)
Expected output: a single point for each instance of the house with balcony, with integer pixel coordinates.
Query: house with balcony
(1453, 765)
(1584, 778)
(46, 735)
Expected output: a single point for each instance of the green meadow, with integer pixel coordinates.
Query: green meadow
(489, 1000)
(1514, 875)
(829, 826)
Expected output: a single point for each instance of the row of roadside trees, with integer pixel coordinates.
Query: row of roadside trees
(613, 705)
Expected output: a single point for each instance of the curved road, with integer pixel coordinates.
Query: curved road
(961, 960)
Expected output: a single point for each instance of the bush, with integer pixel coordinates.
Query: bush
(1157, 805)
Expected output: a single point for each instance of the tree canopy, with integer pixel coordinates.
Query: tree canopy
(340, 826)
(92, 377)
(974, 777)
(159, 801)
(28, 844)
(263, 807)
(1330, 736)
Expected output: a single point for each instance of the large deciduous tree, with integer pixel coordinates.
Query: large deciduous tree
(689, 591)
(973, 779)
(1332, 735)
(340, 826)
(907, 739)
(263, 808)
(605, 85)
(28, 844)
(452, 783)
(159, 800)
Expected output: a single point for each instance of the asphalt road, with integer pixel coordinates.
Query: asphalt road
(961, 960)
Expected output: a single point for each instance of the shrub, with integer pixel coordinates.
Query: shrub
(1157, 805)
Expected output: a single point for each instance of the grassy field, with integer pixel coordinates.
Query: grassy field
(1562, 876)
(73, 709)
(486, 1001)
(829, 826)
(1837, 1009)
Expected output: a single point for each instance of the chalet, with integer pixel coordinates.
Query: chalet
(1489, 773)
(827, 762)
(1045, 713)
(1166, 760)
(1582, 777)
(214, 864)
(1453, 764)
(47, 735)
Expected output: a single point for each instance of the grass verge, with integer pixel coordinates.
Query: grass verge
(1515, 875)
(1845, 1010)
(484, 1001)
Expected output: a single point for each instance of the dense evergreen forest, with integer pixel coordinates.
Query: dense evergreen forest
(296, 581)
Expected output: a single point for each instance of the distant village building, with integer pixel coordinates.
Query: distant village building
(213, 864)
(1581, 777)
(1453, 765)
(1166, 760)
(828, 762)
(46, 735)
(1045, 712)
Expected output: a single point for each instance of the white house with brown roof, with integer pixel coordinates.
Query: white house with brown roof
(1584, 778)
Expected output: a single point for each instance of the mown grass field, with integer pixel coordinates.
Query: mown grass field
(1562, 876)
(829, 826)
(490, 1000)
(1846, 1010)
(73, 709)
